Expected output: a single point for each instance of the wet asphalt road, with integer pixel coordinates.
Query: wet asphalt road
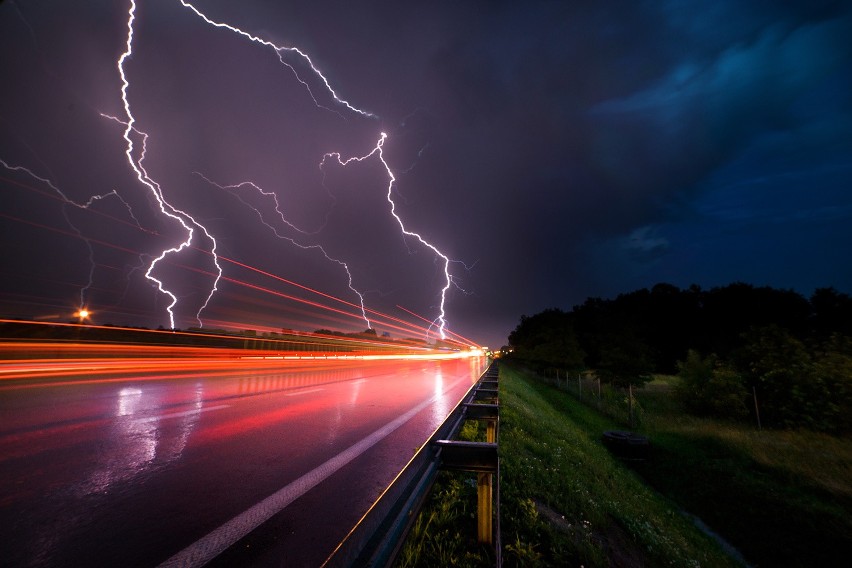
(225, 463)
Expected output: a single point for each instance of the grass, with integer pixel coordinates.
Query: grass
(444, 533)
(819, 461)
(565, 501)
(781, 497)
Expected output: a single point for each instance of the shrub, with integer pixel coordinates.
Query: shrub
(708, 387)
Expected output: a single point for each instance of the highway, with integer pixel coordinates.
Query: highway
(221, 462)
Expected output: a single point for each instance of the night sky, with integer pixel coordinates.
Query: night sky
(553, 151)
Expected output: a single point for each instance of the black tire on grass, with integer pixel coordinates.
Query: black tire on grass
(626, 445)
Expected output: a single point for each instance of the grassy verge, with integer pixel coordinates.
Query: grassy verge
(564, 500)
(783, 498)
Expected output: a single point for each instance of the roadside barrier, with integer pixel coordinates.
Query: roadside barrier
(378, 537)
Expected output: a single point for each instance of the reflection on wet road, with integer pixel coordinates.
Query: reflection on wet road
(234, 462)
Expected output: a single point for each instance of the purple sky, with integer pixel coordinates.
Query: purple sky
(552, 150)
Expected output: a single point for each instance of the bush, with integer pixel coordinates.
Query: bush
(709, 388)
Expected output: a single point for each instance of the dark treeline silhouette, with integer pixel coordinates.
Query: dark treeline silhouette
(287, 339)
(727, 343)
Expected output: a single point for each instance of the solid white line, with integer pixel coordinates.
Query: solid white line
(213, 544)
(184, 413)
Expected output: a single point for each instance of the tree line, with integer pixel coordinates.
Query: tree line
(730, 346)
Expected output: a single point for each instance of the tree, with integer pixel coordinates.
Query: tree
(832, 312)
(832, 371)
(547, 339)
(779, 367)
(560, 351)
(625, 360)
(708, 387)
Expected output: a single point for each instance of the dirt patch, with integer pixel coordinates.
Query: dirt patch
(616, 543)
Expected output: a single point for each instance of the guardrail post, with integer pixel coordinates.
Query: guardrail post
(377, 538)
(483, 507)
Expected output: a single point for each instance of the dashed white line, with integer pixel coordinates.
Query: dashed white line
(306, 391)
(179, 414)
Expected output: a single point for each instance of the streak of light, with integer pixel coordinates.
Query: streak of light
(404, 326)
(295, 345)
(293, 241)
(441, 319)
(407, 327)
(310, 342)
(464, 339)
(377, 151)
(237, 263)
(80, 205)
(411, 327)
(48, 374)
(62, 196)
(64, 232)
(53, 196)
(135, 142)
(306, 302)
(278, 51)
(136, 164)
(433, 356)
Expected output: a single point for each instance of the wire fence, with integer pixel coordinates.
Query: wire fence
(618, 403)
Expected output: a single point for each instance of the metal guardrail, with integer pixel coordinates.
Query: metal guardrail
(378, 537)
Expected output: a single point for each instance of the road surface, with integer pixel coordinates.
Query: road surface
(222, 462)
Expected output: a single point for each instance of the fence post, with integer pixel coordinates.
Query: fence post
(756, 410)
(630, 403)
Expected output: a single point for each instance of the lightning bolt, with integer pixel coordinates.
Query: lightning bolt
(284, 220)
(182, 217)
(279, 51)
(80, 205)
(136, 147)
(439, 321)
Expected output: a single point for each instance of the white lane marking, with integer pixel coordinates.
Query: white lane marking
(307, 391)
(215, 543)
(184, 413)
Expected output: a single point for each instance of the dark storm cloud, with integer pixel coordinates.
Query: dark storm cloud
(626, 158)
(559, 149)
